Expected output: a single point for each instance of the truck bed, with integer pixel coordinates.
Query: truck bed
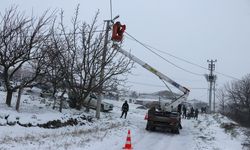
(164, 120)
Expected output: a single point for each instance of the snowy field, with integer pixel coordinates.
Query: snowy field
(110, 132)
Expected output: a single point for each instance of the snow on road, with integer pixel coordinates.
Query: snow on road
(110, 132)
(204, 133)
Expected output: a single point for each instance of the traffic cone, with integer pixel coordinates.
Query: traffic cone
(128, 145)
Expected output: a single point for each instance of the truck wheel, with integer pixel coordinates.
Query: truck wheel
(102, 108)
(180, 126)
(152, 128)
(147, 127)
(176, 131)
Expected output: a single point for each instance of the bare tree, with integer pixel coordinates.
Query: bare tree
(22, 40)
(221, 96)
(238, 94)
(57, 64)
(81, 47)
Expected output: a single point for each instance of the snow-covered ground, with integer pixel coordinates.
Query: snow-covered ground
(110, 132)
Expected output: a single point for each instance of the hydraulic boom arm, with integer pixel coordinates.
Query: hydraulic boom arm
(160, 75)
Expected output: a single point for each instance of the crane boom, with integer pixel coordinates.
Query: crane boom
(159, 74)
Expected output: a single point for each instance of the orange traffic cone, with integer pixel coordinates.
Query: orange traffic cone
(128, 145)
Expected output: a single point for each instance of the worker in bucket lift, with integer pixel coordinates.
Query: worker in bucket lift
(118, 30)
(125, 108)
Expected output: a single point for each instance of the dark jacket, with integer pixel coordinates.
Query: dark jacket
(125, 106)
(179, 108)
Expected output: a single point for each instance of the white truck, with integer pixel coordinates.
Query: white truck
(164, 118)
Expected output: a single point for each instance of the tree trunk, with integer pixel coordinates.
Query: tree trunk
(61, 100)
(19, 98)
(9, 97)
(61, 104)
(54, 97)
(249, 115)
(88, 107)
(54, 104)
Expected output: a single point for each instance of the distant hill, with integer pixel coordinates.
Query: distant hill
(166, 94)
(169, 95)
(163, 94)
(197, 103)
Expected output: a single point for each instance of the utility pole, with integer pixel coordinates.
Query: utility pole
(104, 52)
(211, 79)
(100, 96)
(214, 94)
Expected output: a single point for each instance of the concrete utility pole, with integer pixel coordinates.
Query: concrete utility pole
(211, 79)
(214, 94)
(99, 99)
(105, 48)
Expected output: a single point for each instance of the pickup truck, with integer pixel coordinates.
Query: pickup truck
(165, 120)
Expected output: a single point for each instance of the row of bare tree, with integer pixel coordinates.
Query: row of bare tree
(234, 100)
(46, 51)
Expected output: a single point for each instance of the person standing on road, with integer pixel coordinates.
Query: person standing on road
(184, 110)
(179, 109)
(196, 112)
(192, 112)
(125, 108)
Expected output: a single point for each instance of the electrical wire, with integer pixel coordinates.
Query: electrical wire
(191, 63)
(154, 85)
(184, 60)
(163, 57)
(146, 84)
(178, 58)
(227, 75)
(58, 34)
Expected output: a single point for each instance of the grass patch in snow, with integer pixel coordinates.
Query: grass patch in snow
(230, 128)
(206, 138)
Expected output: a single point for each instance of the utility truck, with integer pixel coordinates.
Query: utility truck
(162, 116)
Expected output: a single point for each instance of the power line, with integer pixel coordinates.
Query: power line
(227, 75)
(59, 34)
(184, 60)
(173, 56)
(154, 85)
(162, 57)
(145, 84)
(178, 58)
(192, 63)
(150, 76)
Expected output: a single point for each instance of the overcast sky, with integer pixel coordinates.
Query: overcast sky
(194, 30)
